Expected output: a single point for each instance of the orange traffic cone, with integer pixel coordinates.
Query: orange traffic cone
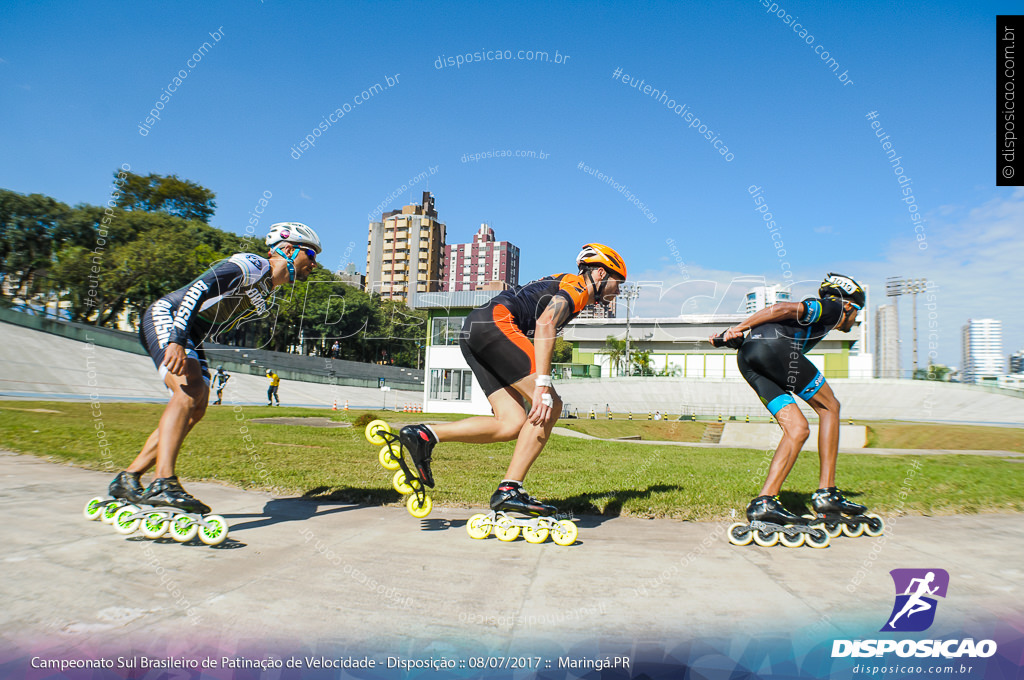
(346, 404)
(334, 406)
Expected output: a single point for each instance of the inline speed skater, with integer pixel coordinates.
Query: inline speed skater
(173, 330)
(508, 344)
(772, 360)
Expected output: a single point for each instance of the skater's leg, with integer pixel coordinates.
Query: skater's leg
(532, 438)
(503, 426)
(147, 457)
(826, 405)
(794, 433)
(189, 396)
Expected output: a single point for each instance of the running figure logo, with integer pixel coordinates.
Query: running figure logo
(914, 609)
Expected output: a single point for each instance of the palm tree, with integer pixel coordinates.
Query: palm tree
(616, 351)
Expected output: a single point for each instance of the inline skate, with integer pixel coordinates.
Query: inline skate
(536, 527)
(837, 515)
(770, 523)
(419, 442)
(125, 488)
(165, 508)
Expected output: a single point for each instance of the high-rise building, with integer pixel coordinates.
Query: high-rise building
(484, 264)
(1017, 362)
(982, 350)
(350, 276)
(403, 252)
(887, 342)
(602, 309)
(764, 296)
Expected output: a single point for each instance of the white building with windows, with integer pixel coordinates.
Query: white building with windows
(764, 296)
(982, 350)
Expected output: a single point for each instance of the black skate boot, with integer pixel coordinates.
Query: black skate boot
(771, 523)
(841, 516)
(168, 491)
(512, 497)
(770, 509)
(419, 441)
(127, 486)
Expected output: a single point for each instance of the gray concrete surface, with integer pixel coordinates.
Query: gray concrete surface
(361, 577)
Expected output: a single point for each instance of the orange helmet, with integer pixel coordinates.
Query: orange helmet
(596, 254)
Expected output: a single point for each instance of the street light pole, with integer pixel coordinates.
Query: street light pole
(896, 286)
(629, 292)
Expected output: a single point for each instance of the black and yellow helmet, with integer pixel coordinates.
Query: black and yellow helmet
(843, 287)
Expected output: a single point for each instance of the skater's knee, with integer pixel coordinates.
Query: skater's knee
(798, 432)
(509, 427)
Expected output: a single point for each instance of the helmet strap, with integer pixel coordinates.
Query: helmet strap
(289, 261)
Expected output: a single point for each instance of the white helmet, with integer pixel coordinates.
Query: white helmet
(295, 233)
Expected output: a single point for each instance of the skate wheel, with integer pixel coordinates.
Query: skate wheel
(401, 484)
(94, 508)
(740, 534)
(418, 509)
(875, 525)
(479, 526)
(794, 541)
(183, 529)
(536, 534)
(506, 531)
(853, 530)
(123, 522)
(215, 532)
(387, 459)
(564, 532)
(109, 510)
(765, 539)
(817, 538)
(154, 525)
(833, 529)
(373, 432)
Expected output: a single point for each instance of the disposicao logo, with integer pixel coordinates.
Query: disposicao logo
(912, 612)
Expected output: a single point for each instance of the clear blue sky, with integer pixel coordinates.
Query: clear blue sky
(77, 79)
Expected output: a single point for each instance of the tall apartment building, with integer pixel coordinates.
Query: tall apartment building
(887, 342)
(482, 264)
(1017, 362)
(404, 250)
(764, 296)
(982, 350)
(602, 309)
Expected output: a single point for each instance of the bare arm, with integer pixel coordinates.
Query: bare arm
(780, 311)
(554, 315)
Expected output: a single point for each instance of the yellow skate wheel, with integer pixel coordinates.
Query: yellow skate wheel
(765, 539)
(506, 530)
(400, 483)
(373, 432)
(535, 535)
(853, 531)
(94, 508)
(740, 534)
(387, 459)
(479, 526)
(216, 530)
(183, 529)
(123, 523)
(794, 541)
(154, 525)
(417, 509)
(875, 525)
(564, 532)
(817, 538)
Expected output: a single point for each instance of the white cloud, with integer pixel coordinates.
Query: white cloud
(302, 194)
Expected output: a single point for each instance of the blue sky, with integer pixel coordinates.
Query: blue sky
(77, 79)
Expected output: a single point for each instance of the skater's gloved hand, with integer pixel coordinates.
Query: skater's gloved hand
(543, 406)
(174, 358)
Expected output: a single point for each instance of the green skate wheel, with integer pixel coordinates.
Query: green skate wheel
(817, 538)
(387, 459)
(400, 483)
(183, 529)
(123, 522)
(536, 534)
(740, 534)
(479, 526)
(794, 541)
(109, 510)
(373, 432)
(506, 530)
(94, 508)
(418, 509)
(853, 531)
(154, 525)
(766, 539)
(875, 525)
(564, 532)
(215, 532)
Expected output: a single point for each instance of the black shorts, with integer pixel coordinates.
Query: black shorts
(499, 354)
(776, 369)
(154, 331)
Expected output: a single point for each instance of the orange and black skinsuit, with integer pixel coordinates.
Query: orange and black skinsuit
(496, 337)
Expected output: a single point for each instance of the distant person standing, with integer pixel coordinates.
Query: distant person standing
(335, 348)
(220, 379)
(272, 390)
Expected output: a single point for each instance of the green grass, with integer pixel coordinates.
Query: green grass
(579, 475)
(895, 435)
(651, 430)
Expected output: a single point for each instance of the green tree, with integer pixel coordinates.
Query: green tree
(563, 351)
(28, 225)
(933, 372)
(616, 351)
(641, 360)
(169, 194)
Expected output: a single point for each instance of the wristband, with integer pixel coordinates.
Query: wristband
(547, 400)
(543, 381)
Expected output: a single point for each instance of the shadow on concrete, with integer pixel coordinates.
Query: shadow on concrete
(289, 510)
(584, 506)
